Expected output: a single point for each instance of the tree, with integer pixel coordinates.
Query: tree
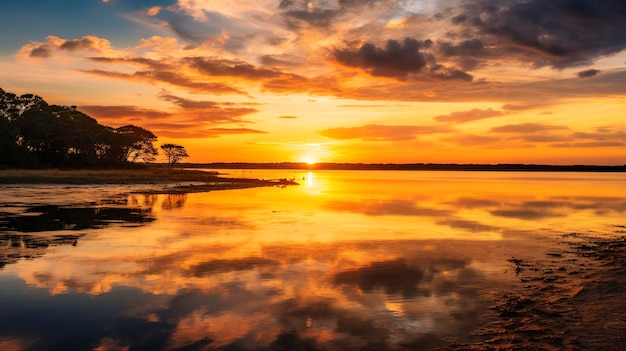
(174, 153)
(131, 144)
(61, 136)
(36, 134)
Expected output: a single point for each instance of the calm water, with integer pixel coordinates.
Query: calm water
(348, 260)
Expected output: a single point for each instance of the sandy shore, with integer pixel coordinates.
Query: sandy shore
(574, 299)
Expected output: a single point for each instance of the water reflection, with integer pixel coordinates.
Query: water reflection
(14, 247)
(294, 296)
(55, 218)
(341, 263)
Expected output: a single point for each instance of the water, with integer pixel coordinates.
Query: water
(348, 260)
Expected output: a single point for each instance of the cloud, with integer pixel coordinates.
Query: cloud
(402, 60)
(233, 68)
(394, 277)
(526, 214)
(526, 128)
(469, 54)
(396, 59)
(288, 117)
(468, 116)
(215, 132)
(471, 226)
(212, 267)
(190, 119)
(588, 73)
(171, 78)
(378, 132)
(122, 112)
(55, 44)
(385, 208)
(473, 139)
(154, 10)
(559, 33)
(524, 107)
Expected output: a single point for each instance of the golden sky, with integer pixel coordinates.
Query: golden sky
(402, 81)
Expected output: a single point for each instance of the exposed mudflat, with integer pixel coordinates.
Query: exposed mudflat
(573, 299)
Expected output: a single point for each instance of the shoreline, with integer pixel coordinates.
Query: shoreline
(206, 181)
(504, 167)
(572, 299)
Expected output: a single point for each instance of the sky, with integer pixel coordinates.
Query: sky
(373, 81)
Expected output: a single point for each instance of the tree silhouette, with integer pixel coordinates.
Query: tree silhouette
(131, 144)
(174, 153)
(36, 134)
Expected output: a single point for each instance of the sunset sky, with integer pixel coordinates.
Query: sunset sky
(402, 81)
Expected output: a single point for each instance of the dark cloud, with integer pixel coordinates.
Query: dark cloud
(588, 73)
(557, 33)
(394, 277)
(402, 60)
(469, 53)
(300, 13)
(318, 18)
(86, 43)
(376, 132)
(446, 73)
(468, 116)
(41, 52)
(394, 60)
(280, 60)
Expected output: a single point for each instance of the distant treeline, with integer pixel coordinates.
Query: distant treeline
(409, 167)
(34, 134)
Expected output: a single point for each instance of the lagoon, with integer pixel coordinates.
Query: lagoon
(347, 260)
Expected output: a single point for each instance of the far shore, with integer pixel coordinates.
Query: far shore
(194, 180)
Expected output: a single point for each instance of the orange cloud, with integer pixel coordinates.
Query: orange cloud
(378, 132)
(171, 78)
(468, 116)
(54, 44)
(526, 128)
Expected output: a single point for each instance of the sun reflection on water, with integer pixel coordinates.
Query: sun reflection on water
(340, 260)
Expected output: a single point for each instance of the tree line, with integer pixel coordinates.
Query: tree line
(35, 134)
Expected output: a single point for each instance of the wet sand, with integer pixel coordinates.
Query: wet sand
(572, 299)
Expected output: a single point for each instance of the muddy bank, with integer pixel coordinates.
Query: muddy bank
(158, 181)
(573, 299)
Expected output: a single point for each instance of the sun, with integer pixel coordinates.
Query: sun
(308, 159)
